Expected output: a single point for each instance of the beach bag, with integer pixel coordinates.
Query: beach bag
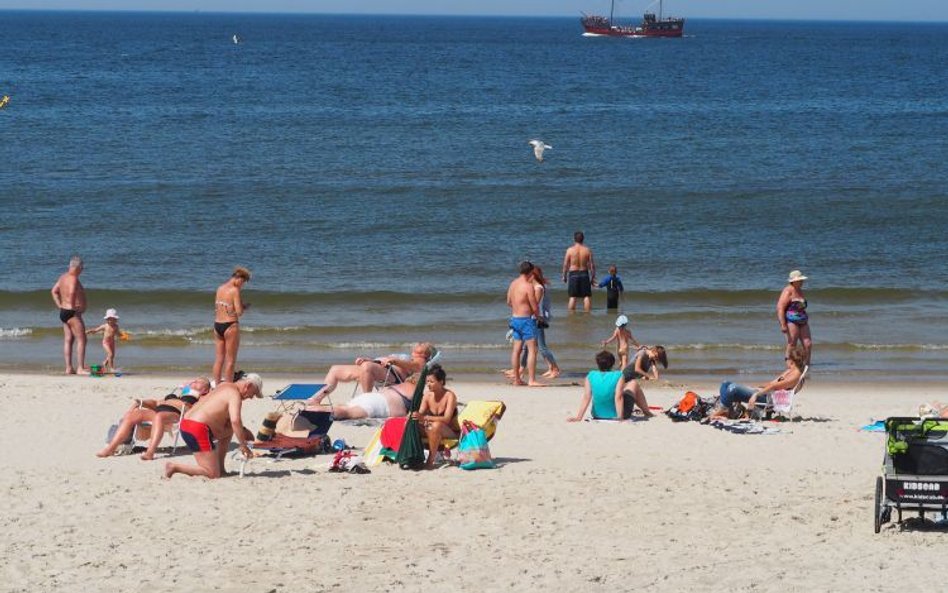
(473, 452)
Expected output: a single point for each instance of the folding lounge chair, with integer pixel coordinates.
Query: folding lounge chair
(280, 445)
(173, 429)
(781, 402)
(484, 414)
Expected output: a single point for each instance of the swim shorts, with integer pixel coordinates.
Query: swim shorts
(578, 284)
(374, 404)
(66, 314)
(524, 328)
(197, 436)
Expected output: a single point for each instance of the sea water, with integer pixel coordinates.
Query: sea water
(374, 174)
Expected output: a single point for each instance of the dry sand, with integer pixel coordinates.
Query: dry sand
(589, 506)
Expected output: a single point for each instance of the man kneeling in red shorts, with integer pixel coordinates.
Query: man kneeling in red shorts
(216, 416)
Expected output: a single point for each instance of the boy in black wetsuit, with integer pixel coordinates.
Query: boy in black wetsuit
(614, 289)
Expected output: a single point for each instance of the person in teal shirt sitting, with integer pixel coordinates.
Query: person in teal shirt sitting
(605, 389)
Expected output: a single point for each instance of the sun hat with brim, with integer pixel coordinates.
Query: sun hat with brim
(796, 276)
(111, 314)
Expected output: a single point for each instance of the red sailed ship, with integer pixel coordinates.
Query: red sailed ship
(651, 26)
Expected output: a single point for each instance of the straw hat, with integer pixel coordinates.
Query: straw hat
(111, 314)
(796, 276)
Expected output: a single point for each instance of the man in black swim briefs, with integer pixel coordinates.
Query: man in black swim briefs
(70, 298)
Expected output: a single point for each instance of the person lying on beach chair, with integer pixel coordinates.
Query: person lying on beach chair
(389, 370)
(160, 415)
(732, 393)
(209, 425)
(611, 395)
(387, 402)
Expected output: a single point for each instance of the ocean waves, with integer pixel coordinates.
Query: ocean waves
(367, 299)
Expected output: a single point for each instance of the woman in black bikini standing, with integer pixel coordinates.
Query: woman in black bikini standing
(227, 311)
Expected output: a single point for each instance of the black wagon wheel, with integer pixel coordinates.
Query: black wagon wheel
(877, 510)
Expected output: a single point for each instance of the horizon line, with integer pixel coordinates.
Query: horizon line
(444, 15)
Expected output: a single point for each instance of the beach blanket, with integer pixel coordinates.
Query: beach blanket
(744, 427)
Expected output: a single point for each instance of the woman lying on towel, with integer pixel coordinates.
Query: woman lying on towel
(732, 393)
(387, 402)
(369, 371)
(157, 413)
(438, 414)
(612, 397)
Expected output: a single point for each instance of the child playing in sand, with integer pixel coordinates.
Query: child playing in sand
(110, 331)
(622, 336)
(614, 289)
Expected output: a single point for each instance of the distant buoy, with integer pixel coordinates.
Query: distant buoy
(237, 39)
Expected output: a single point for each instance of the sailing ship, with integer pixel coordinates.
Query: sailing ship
(652, 25)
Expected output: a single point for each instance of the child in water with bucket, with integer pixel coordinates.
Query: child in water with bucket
(622, 336)
(110, 331)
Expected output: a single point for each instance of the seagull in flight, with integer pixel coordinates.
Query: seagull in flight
(538, 147)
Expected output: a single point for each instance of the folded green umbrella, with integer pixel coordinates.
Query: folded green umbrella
(411, 452)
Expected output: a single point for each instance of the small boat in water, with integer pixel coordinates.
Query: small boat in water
(652, 25)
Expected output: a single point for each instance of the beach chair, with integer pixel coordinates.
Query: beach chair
(280, 446)
(484, 414)
(780, 402)
(142, 432)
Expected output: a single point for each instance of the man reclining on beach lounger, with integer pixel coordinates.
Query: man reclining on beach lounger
(159, 414)
(387, 402)
(216, 417)
(369, 371)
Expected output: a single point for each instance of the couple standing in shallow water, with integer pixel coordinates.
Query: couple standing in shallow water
(530, 314)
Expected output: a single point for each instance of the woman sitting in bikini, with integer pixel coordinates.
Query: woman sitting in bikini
(393, 370)
(157, 413)
(438, 414)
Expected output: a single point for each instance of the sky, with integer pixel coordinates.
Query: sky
(875, 10)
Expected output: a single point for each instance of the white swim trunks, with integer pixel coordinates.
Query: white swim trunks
(374, 404)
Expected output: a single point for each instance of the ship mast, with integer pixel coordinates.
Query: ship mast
(660, 10)
(612, 10)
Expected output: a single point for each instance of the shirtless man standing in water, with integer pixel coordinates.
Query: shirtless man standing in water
(70, 297)
(524, 312)
(227, 311)
(579, 271)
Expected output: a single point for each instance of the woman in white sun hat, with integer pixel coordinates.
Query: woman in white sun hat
(792, 316)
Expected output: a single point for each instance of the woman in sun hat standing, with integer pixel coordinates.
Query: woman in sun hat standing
(792, 316)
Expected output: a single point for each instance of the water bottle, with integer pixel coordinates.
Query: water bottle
(339, 445)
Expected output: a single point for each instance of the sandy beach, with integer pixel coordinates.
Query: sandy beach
(648, 505)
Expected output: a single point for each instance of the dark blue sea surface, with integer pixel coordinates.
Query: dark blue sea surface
(374, 173)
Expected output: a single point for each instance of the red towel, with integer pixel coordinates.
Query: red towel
(392, 431)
